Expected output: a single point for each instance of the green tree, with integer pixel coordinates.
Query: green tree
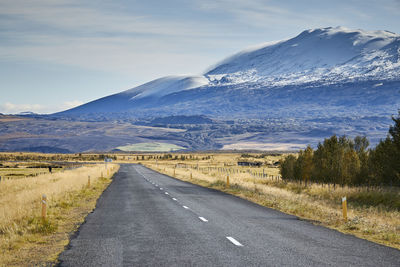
(361, 144)
(384, 160)
(287, 167)
(305, 165)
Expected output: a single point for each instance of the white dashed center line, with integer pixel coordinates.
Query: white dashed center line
(234, 241)
(203, 219)
(166, 193)
(174, 199)
(160, 188)
(185, 207)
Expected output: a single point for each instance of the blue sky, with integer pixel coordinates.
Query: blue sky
(56, 54)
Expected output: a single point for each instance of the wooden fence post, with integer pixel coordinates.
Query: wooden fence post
(44, 206)
(344, 206)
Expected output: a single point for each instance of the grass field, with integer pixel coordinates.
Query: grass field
(26, 238)
(18, 171)
(151, 147)
(374, 213)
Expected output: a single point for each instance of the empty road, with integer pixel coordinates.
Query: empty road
(148, 219)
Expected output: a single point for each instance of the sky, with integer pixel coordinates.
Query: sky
(57, 54)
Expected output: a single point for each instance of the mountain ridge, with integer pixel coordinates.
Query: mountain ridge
(324, 56)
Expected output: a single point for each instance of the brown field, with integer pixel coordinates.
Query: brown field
(27, 239)
(374, 213)
(8, 118)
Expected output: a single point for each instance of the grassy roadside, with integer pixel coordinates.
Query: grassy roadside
(373, 215)
(27, 240)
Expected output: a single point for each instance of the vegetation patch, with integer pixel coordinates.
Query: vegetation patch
(28, 239)
(151, 147)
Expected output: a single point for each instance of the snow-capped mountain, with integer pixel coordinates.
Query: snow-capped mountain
(320, 57)
(325, 55)
(312, 69)
(292, 92)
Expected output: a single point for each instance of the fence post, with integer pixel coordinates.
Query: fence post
(44, 206)
(344, 206)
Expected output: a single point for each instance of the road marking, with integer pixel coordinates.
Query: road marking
(185, 207)
(234, 241)
(160, 188)
(203, 219)
(174, 199)
(166, 193)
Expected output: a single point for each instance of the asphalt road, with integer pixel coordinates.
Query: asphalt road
(148, 219)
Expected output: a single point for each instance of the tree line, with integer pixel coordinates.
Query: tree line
(344, 161)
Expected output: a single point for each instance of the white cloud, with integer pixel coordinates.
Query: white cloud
(75, 34)
(10, 108)
(272, 14)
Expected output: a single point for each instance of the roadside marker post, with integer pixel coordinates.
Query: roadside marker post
(344, 206)
(191, 175)
(88, 181)
(44, 206)
(227, 180)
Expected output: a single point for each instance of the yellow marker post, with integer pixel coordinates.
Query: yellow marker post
(44, 207)
(191, 175)
(344, 206)
(227, 180)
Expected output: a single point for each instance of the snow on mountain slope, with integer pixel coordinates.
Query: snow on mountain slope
(318, 57)
(319, 54)
(166, 85)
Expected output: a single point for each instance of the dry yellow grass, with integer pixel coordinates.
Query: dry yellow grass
(320, 204)
(28, 240)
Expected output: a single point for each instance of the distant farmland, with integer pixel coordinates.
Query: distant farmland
(151, 147)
